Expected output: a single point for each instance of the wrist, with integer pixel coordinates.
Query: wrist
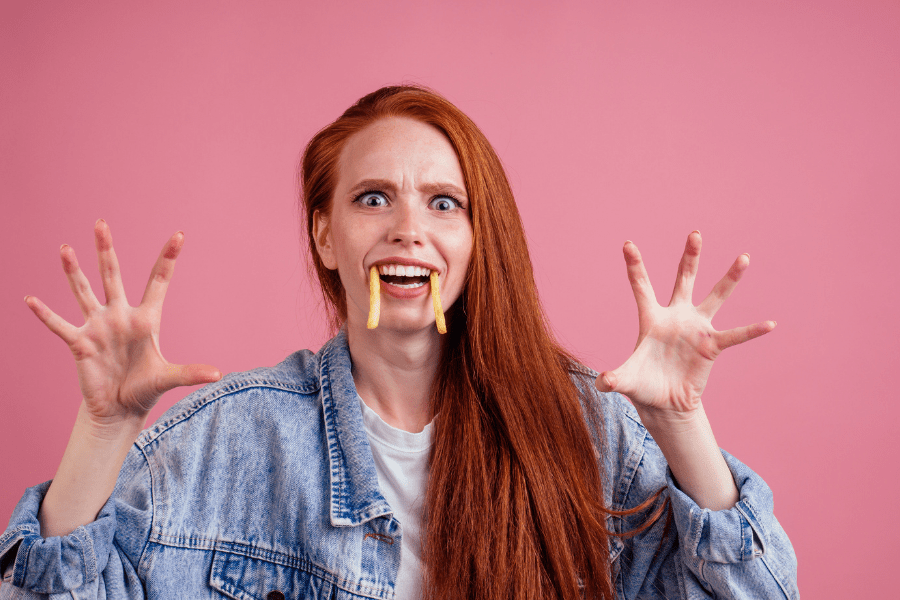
(686, 440)
(119, 429)
(87, 472)
(673, 421)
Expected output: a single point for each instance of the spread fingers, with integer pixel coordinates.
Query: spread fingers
(162, 272)
(81, 287)
(637, 275)
(54, 322)
(109, 264)
(713, 302)
(739, 335)
(687, 269)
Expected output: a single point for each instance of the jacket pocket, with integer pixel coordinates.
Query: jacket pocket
(249, 573)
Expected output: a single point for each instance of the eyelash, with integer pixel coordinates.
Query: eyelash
(458, 202)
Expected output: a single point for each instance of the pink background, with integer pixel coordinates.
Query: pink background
(772, 127)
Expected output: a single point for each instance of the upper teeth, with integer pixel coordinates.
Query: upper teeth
(404, 270)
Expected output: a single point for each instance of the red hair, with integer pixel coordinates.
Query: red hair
(514, 506)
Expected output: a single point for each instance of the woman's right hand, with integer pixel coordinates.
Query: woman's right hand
(121, 371)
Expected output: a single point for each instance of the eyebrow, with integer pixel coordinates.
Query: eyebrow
(386, 184)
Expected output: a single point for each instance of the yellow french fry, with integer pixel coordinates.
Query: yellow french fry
(436, 301)
(374, 298)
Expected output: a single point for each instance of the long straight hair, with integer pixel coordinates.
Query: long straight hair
(514, 505)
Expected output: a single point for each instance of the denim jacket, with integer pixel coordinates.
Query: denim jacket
(264, 483)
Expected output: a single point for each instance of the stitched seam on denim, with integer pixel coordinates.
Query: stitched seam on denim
(630, 468)
(701, 576)
(143, 565)
(337, 491)
(24, 555)
(179, 541)
(293, 562)
(576, 368)
(579, 368)
(775, 577)
(336, 456)
(680, 567)
(18, 578)
(755, 526)
(150, 435)
(695, 530)
(88, 555)
(622, 488)
(9, 539)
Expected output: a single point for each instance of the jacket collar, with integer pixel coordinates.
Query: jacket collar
(355, 495)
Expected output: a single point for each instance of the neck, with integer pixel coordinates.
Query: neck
(394, 371)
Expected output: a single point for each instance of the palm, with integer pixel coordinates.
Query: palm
(121, 370)
(677, 344)
(118, 361)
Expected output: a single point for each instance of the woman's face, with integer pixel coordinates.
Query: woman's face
(400, 202)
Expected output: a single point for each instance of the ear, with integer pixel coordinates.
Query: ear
(322, 238)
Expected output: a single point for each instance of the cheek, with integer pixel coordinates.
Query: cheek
(347, 245)
(466, 245)
(461, 251)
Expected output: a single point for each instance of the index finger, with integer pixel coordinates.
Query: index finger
(637, 275)
(713, 302)
(155, 292)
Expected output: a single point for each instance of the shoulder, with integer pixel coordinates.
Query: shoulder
(295, 378)
(634, 467)
(612, 412)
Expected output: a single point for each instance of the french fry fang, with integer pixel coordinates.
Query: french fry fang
(374, 298)
(436, 301)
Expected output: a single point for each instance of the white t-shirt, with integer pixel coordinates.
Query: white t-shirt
(401, 461)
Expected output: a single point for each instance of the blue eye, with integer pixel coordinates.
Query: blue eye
(372, 199)
(444, 203)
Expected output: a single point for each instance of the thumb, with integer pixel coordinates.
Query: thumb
(607, 381)
(185, 375)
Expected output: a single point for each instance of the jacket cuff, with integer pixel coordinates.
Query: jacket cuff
(57, 564)
(725, 536)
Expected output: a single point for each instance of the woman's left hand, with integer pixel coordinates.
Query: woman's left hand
(677, 344)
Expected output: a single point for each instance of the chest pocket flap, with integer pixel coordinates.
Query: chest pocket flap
(248, 573)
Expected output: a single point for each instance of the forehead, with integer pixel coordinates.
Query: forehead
(399, 149)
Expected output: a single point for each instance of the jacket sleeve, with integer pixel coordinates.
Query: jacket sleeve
(738, 553)
(742, 552)
(97, 560)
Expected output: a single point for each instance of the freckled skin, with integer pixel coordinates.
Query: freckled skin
(410, 155)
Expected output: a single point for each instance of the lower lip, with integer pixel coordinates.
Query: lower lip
(404, 293)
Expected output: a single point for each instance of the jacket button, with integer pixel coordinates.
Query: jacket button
(275, 595)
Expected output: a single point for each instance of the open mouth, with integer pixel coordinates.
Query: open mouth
(404, 276)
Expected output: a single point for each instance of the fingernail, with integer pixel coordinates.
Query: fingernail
(26, 298)
(63, 246)
(99, 221)
(697, 231)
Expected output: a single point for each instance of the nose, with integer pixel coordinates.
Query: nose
(406, 228)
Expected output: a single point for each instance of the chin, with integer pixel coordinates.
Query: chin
(408, 328)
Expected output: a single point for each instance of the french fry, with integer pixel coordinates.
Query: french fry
(374, 298)
(436, 301)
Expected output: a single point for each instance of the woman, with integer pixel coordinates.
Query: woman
(397, 461)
